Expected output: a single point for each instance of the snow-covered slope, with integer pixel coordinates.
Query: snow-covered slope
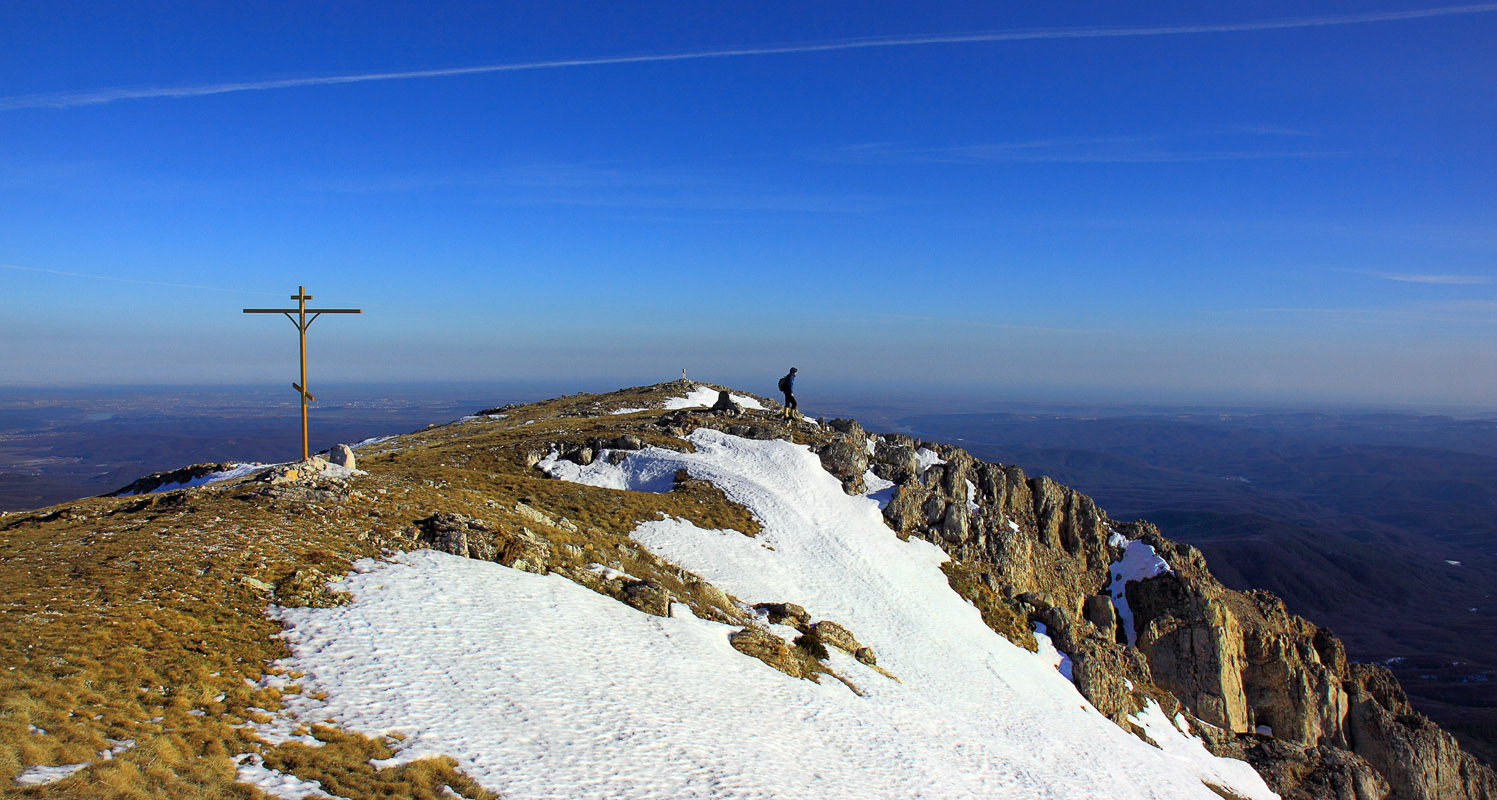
(541, 688)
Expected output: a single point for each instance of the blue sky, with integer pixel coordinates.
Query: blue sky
(1169, 201)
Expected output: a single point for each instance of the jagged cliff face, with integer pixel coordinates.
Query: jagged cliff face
(1277, 689)
(1140, 618)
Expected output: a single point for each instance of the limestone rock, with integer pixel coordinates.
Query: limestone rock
(1297, 772)
(835, 635)
(468, 537)
(627, 441)
(772, 650)
(1418, 759)
(159, 480)
(342, 455)
(647, 596)
(1194, 646)
(725, 405)
(257, 584)
(785, 614)
(1101, 613)
(308, 588)
(894, 460)
(845, 457)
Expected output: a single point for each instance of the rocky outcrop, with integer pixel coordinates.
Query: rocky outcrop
(1297, 772)
(169, 480)
(1275, 689)
(772, 650)
(845, 454)
(830, 633)
(465, 536)
(1416, 757)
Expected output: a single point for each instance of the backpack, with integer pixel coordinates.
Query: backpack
(782, 383)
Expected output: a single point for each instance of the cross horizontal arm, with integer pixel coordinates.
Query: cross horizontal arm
(309, 310)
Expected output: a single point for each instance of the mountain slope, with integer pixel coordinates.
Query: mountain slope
(797, 638)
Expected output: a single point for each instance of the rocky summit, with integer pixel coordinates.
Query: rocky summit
(668, 590)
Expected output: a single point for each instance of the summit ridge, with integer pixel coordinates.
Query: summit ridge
(669, 590)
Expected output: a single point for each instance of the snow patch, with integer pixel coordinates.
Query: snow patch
(925, 458)
(1139, 562)
(1051, 654)
(39, 775)
(608, 573)
(972, 497)
(541, 688)
(1174, 738)
(637, 473)
(237, 471)
(703, 396)
(251, 769)
(878, 489)
(116, 746)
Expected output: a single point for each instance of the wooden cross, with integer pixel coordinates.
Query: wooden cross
(302, 323)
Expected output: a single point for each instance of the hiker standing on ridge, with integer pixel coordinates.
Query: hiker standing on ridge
(787, 385)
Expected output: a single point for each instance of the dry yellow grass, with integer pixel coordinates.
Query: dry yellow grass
(143, 620)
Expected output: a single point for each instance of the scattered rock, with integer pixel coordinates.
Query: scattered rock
(156, 481)
(308, 587)
(785, 614)
(772, 650)
(836, 636)
(1297, 772)
(647, 596)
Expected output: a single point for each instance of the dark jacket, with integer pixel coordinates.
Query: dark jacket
(787, 383)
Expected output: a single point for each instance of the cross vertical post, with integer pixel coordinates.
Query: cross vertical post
(302, 323)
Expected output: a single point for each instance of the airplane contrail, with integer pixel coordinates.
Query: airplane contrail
(88, 97)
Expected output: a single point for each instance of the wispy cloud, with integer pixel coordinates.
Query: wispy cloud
(1443, 280)
(1117, 149)
(1427, 278)
(88, 97)
(711, 191)
(1480, 312)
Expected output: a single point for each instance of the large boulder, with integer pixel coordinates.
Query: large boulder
(341, 455)
(725, 405)
(845, 456)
